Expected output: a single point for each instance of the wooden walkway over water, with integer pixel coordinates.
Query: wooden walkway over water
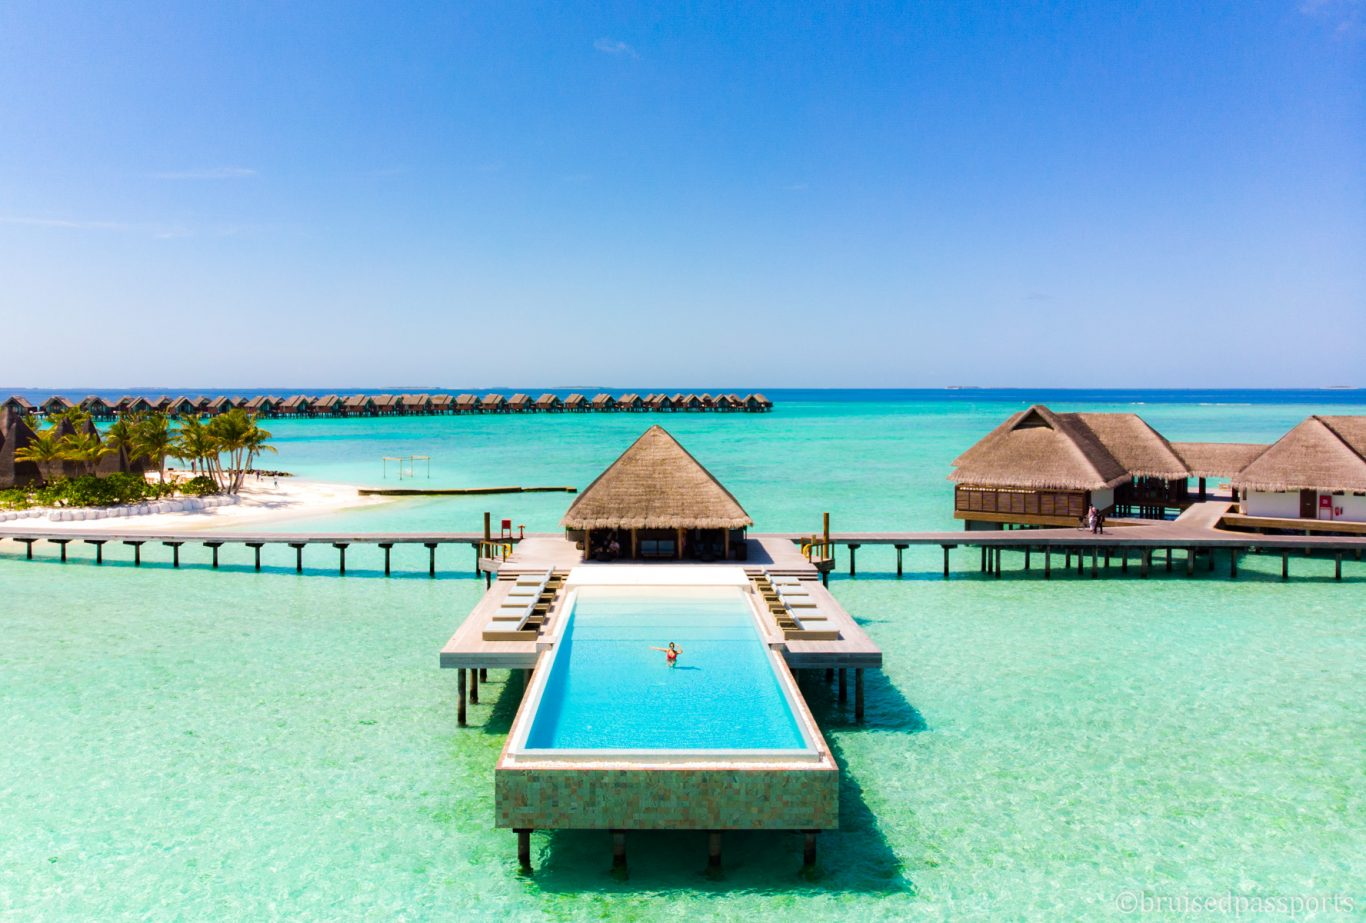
(1196, 533)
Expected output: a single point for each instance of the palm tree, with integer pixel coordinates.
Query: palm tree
(254, 443)
(121, 437)
(195, 443)
(153, 438)
(237, 434)
(44, 450)
(85, 448)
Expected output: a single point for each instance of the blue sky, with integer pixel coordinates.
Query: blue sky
(274, 194)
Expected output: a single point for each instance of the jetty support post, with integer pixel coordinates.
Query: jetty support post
(1337, 566)
(1233, 563)
(62, 542)
(1048, 562)
(809, 848)
(28, 547)
(1145, 557)
(256, 547)
(1124, 561)
(858, 693)
(853, 569)
(899, 550)
(388, 549)
(844, 685)
(474, 686)
(1169, 559)
(827, 549)
(214, 546)
(341, 556)
(1028, 549)
(460, 696)
(618, 849)
(996, 561)
(175, 552)
(431, 559)
(1285, 564)
(524, 849)
(713, 849)
(1095, 552)
(298, 556)
(1190, 561)
(99, 548)
(946, 561)
(137, 551)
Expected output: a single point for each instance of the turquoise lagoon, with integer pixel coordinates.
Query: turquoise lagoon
(196, 744)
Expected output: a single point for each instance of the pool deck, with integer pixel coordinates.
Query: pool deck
(778, 556)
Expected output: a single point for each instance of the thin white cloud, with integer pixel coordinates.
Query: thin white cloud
(159, 231)
(796, 187)
(1347, 17)
(208, 173)
(615, 47)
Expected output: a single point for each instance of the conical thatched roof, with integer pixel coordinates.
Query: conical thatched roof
(1039, 449)
(14, 435)
(1217, 459)
(1321, 453)
(656, 484)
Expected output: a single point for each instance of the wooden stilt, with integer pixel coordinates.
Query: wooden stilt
(1145, 560)
(714, 849)
(809, 848)
(1337, 566)
(1124, 561)
(984, 559)
(1285, 565)
(99, 549)
(460, 693)
(1028, 549)
(946, 561)
(1233, 563)
(858, 693)
(1169, 560)
(1095, 554)
(1210, 563)
(844, 685)
(62, 542)
(175, 552)
(431, 558)
(829, 675)
(1081, 560)
(1190, 561)
(28, 547)
(388, 550)
(1048, 562)
(341, 558)
(214, 546)
(618, 849)
(474, 687)
(853, 568)
(298, 556)
(998, 563)
(256, 547)
(137, 553)
(899, 550)
(1067, 565)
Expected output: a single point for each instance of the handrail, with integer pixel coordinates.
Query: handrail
(491, 549)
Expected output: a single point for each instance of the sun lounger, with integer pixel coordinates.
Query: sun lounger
(785, 581)
(800, 602)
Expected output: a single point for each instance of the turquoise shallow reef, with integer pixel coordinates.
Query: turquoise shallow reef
(231, 745)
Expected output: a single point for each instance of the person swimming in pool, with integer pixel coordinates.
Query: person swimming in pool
(670, 653)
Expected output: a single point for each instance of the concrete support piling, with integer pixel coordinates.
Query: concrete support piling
(388, 549)
(618, 849)
(713, 849)
(175, 552)
(853, 550)
(298, 556)
(858, 693)
(214, 546)
(99, 549)
(474, 687)
(524, 849)
(256, 547)
(431, 559)
(460, 696)
(809, 848)
(62, 542)
(899, 550)
(341, 556)
(137, 553)
(844, 685)
(1285, 565)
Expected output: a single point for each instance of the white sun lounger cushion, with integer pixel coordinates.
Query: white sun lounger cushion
(792, 591)
(533, 579)
(799, 602)
(784, 581)
(525, 591)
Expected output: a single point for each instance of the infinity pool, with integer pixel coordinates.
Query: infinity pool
(609, 690)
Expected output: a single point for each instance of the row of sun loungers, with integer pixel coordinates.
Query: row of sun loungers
(798, 614)
(524, 610)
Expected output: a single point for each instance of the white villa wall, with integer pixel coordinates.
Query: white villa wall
(1286, 505)
(1103, 499)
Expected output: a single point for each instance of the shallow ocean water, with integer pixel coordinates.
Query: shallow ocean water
(197, 744)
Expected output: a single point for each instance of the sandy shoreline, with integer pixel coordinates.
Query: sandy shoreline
(260, 501)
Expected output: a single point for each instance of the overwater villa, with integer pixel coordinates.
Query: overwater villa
(493, 403)
(549, 403)
(520, 403)
(56, 405)
(1041, 468)
(576, 403)
(19, 405)
(1317, 472)
(604, 402)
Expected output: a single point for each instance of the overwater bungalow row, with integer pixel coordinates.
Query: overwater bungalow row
(1040, 468)
(361, 405)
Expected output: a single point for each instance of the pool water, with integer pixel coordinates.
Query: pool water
(609, 689)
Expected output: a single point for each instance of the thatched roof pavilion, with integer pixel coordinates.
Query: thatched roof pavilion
(604, 402)
(466, 403)
(520, 402)
(442, 403)
(658, 493)
(15, 435)
(576, 402)
(1323, 453)
(1037, 448)
(1217, 459)
(493, 403)
(55, 405)
(549, 402)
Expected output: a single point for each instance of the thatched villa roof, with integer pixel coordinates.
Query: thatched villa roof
(56, 404)
(548, 400)
(1322, 453)
(575, 400)
(19, 404)
(604, 400)
(1139, 449)
(1217, 459)
(656, 484)
(1039, 449)
(14, 435)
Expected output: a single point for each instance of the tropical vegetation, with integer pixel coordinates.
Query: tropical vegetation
(220, 452)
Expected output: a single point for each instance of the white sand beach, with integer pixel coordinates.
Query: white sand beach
(265, 500)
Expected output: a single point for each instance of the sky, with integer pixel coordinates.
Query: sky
(330, 194)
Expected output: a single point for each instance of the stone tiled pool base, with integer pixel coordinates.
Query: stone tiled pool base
(645, 797)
